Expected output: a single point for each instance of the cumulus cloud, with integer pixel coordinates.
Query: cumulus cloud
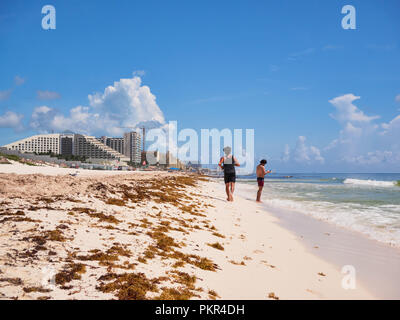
(302, 153)
(286, 154)
(375, 158)
(392, 128)
(128, 101)
(361, 140)
(11, 120)
(346, 111)
(47, 95)
(125, 104)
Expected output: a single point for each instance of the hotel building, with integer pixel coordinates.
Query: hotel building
(91, 147)
(114, 143)
(42, 143)
(132, 149)
(67, 144)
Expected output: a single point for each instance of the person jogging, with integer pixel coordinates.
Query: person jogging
(228, 164)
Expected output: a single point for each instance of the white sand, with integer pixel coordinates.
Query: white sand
(276, 262)
(20, 168)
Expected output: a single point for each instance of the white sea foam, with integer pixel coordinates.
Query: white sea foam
(362, 211)
(374, 222)
(373, 183)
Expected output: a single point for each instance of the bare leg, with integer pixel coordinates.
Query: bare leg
(232, 190)
(228, 192)
(259, 194)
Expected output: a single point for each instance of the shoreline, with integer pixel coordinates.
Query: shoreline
(174, 233)
(376, 263)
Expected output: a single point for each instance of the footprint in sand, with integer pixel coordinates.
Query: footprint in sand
(272, 295)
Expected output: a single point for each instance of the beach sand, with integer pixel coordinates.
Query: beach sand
(149, 235)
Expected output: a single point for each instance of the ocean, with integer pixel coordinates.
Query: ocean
(366, 203)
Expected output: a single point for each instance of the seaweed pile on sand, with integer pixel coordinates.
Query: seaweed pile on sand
(125, 237)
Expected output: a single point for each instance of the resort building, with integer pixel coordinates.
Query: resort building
(41, 143)
(92, 148)
(96, 150)
(67, 144)
(132, 146)
(114, 143)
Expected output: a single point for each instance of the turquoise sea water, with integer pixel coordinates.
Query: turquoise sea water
(367, 203)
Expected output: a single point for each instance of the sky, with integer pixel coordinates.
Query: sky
(320, 98)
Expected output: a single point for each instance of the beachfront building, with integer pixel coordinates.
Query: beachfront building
(114, 143)
(41, 143)
(132, 143)
(160, 159)
(67, 144)
(92, 148)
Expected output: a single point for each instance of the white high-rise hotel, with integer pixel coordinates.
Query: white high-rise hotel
(82, 145)
(40, 143)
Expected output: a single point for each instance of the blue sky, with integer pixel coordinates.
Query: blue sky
(287, 69)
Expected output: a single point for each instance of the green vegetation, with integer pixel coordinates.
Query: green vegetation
(16, 158)
(65, 157)
(10, 157)
(398, 183)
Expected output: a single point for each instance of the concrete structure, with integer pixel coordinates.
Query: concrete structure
(92, 148)
(162, 159)
(132, 146)
(117, 144)
(41, 143)
(67, 144)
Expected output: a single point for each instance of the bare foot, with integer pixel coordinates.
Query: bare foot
(259, 201)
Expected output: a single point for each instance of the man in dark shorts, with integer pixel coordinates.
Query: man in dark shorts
(228, 164)
(261, 172)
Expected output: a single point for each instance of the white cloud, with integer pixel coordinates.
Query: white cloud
(127, 103)
(302, 153)
(19, 80)
(397, 98)
(392, 127)
(11, 120)
(375, 158)
(346, 111)
(361, 141)
(5, 94)
(286, 154)
(48, 95)
(316, 154)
